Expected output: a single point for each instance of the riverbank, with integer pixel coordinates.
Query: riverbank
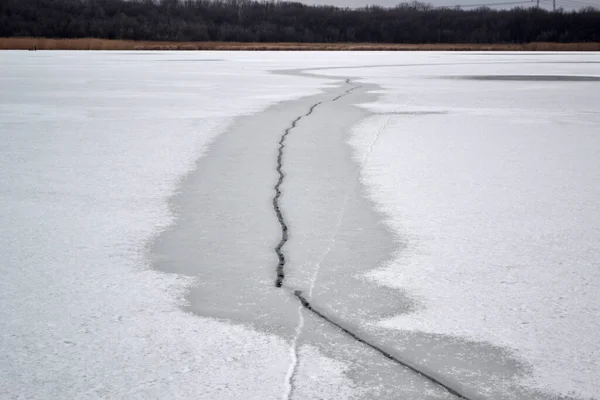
(29, 43)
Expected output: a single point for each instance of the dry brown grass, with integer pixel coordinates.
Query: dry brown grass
(105, 44)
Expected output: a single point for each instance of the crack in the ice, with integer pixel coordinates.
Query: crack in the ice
(342, 213)
(347, 197)
(279, 168)
(305, 303)
(276, 206)
(295, 364)
(347, 92)
(295, 357)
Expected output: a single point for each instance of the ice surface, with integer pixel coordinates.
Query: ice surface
(492, 188)
(92, 145)
(489, 186)
(228, 229)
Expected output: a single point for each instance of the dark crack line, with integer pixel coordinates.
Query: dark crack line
(347, 92)
(285, 235)
(305, 303)
(276, 206)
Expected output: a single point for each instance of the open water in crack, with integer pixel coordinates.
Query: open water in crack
(227, 230)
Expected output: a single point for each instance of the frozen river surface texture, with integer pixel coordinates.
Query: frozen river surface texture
(300, 225)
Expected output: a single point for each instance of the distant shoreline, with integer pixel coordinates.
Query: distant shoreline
(29, 43)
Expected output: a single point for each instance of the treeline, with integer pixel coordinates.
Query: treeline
(269, 21)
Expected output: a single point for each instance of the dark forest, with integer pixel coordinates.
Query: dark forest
(269, 21)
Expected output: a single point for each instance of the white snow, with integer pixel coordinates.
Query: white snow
(495, 195)
(92, 145)
(495, 198)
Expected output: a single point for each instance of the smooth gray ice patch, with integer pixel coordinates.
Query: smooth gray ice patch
(226, 232)
(226, 229)
(225, 236)
(531, 78)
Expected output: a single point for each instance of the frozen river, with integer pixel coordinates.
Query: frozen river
(434, 217)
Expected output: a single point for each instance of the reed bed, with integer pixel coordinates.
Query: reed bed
(28, 43)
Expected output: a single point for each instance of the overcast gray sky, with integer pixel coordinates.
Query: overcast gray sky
(547, 4)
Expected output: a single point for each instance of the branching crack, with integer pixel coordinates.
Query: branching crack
(347, 92)
(304, 303)
(294, 355)
(279, 168)
(276, 206)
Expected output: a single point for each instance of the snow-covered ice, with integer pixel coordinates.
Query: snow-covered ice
(492, 186)
(488, 185)
(92, 146)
